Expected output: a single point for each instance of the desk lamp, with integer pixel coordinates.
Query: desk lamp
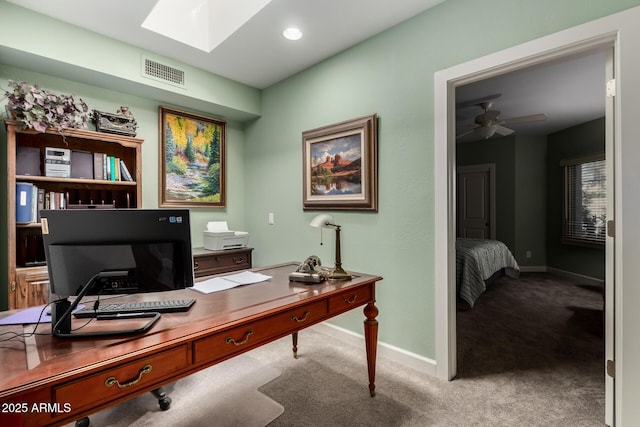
(326, 221)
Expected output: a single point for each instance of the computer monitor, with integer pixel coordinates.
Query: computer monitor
(107, 251)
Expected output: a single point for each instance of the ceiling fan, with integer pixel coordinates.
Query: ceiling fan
(489, 123)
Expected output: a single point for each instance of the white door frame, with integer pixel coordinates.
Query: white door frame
(610, 277)
(579, 39)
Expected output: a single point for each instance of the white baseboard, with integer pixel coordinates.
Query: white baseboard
(567, 274)
(533, 268)
(388, 351)
(577, 277)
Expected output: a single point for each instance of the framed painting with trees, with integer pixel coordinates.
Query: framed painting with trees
(192, 160)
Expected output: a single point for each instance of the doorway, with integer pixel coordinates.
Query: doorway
(446, 84)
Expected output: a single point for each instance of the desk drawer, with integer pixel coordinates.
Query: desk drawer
(122, 380)
(350, 299)
(217, 262)
(236, 340)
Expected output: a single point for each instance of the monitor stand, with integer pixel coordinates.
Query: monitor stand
(62, 310)
(58, 319)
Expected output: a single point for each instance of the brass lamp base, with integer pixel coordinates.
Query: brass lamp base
(339, 274)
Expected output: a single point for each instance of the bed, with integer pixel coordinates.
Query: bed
(478, 262)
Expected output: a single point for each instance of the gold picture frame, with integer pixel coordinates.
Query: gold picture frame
(340, 166)
(192, 159)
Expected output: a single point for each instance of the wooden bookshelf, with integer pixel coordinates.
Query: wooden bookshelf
(28, 283)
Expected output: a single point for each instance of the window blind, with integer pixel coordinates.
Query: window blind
(586, 198)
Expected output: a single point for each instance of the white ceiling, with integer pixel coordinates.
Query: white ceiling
(256, 54)
(569, 91)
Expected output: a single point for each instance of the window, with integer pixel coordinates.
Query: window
(585, 201)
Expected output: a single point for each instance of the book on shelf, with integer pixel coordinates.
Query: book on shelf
(98, 168)
(110, 168)
(24, 202)
(116, 165)
(40, 203)
(113, 167)
(30, 200)
(55, 200)
(34, 204)
(124, 172)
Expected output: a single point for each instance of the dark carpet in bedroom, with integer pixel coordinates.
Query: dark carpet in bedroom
(542, 334)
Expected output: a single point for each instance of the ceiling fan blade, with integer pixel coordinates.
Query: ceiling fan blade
(463, 134)
(503, 131)
(525, 119)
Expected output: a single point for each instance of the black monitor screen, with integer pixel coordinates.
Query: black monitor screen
(147, 250)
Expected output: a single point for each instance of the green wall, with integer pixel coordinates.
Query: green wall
(531, 200)
(390, 74)
(578, 141)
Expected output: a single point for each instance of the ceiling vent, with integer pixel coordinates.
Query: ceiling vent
(162, 72)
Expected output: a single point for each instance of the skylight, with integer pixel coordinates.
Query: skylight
(203, 24)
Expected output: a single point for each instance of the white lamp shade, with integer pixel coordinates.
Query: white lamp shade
(322, 220)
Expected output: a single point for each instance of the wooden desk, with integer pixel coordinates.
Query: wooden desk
(47, 380)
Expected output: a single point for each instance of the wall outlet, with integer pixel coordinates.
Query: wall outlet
(528, 254)
(271, 218)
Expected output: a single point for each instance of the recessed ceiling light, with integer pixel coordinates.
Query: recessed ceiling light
(292, 34)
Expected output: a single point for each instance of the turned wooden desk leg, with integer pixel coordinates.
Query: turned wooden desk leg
(294, 338)
(371, 343)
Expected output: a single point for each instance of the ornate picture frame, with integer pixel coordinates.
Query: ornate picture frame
(192, 159)
(340, 166)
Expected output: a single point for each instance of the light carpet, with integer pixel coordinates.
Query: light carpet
(225, 395)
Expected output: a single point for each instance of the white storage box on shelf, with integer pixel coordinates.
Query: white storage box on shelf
(218, 237)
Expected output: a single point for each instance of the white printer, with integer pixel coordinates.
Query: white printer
(218, 237)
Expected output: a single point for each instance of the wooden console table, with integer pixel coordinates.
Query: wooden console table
(207, 263)
(45, 380)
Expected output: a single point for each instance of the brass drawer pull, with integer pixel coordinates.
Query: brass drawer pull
(350, 300)
(238, 259)
(195, 265)
(230, 340)
(112, 380)
(305, 316)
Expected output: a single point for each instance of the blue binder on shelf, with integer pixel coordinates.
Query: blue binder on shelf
(24, 202)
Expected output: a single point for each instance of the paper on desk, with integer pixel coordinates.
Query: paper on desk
(31, 315)
(221, 283)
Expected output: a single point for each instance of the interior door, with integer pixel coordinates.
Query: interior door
(475, 202)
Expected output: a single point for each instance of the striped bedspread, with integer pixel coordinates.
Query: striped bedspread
(476, 261)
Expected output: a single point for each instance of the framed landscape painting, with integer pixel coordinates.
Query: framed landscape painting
(340, 166)
(192, 160)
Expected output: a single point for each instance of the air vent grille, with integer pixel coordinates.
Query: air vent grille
(163, 72)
